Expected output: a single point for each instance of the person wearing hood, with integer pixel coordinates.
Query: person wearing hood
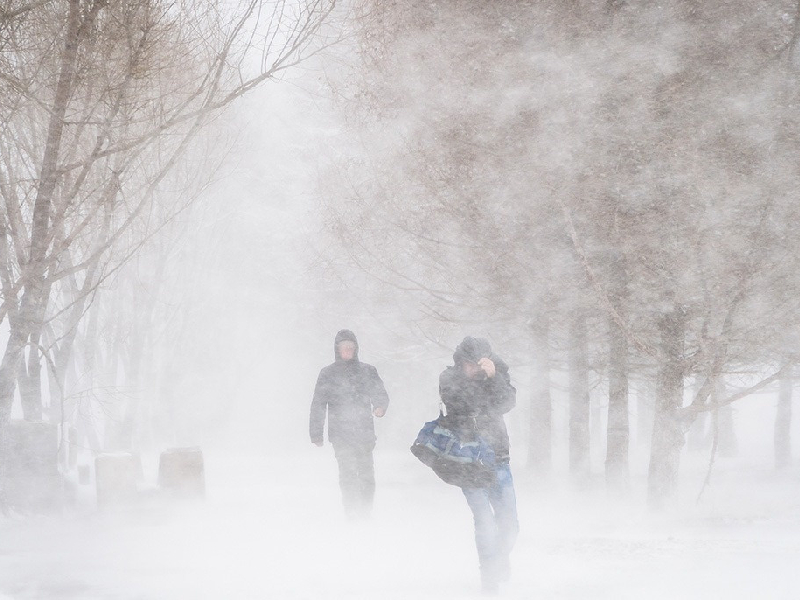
(477, 392)
(351, 393)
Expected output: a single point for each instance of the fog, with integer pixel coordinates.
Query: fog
(416, 178)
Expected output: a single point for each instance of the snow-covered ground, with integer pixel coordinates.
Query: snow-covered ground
(273, 528)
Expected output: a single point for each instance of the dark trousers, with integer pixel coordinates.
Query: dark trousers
(356, 478)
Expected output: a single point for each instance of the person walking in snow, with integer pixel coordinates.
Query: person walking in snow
(351, 392)
(477, 392)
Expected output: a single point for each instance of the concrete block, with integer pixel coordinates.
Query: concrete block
(181, 472)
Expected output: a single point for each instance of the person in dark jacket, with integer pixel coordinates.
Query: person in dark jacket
(477, 392)
(351, 392)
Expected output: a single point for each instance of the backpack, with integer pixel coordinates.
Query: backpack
(461, 462)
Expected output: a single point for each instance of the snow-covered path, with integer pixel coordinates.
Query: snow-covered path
(273, 529)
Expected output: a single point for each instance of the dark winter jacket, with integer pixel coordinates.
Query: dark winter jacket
(478, 405)
(349, 390)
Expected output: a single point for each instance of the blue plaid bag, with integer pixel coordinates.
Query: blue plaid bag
(465, 463)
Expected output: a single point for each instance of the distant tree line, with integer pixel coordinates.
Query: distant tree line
(613, 184)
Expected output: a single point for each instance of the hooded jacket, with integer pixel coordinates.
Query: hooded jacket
(477, 406)
(349, 390)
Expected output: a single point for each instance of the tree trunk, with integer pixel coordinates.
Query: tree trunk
(29, 381)
(33, 272)
(783, 424)
(540, 439)
(63, 355)
(728, 445)
(618, 428)
(668, 433)
(133, 368)
(137, 426)
(30, 375)
(11, 364)
(645, 403)
(698, 438)
(85, 423)
(122, 419)
(109, 377)
(579, 398)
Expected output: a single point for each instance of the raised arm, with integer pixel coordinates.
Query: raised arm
(502, 395)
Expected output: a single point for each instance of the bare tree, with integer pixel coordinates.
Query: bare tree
(667, 164)
(104, 101)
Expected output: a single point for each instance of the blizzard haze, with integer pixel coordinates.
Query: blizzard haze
(607, 192)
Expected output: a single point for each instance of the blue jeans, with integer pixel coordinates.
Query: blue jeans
(496, 524)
